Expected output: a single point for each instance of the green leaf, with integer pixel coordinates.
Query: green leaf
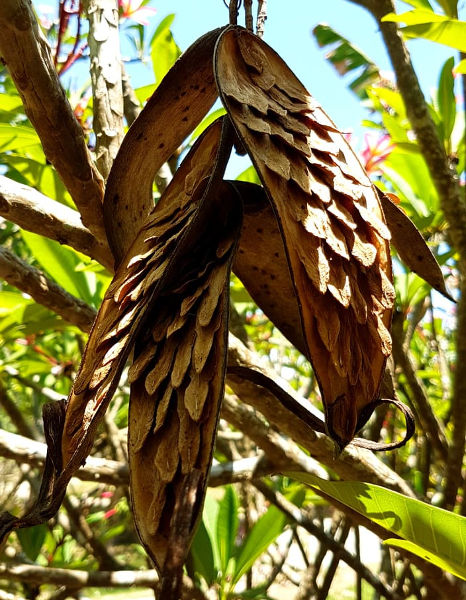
(432, 529)
(203, 555)
(144, 92)
(250, 175)
(263, 533)
(460, 67)
(446, 98)
(422, 23)
(347, 58)
(60, 263)
(31, 540)
(209, 518)
(164, 50)
(419, 4)
(227, 526)
(423, 553)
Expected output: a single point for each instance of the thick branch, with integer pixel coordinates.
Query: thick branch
(111, 472)
(45, 291)
(26, 53)
(35, 212)
(104, 47)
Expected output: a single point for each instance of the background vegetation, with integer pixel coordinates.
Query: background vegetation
(261, 536)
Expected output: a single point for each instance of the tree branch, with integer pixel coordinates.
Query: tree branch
(26, 53)
(106, 77)
(30, 280)
(35, 212)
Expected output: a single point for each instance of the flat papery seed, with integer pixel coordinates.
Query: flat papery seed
(291, 105)
(337, 241)
(328, 323)
(355, 371)
(122, 323)
(196, 176)
(162, 367)
(338, 283)
(322, 118)
(204, 339)
(162, 406)
(189, 301)
(358, 302)
(115, 350)
(321, 143)
(242, 90)
(160, 327)
(196, 394)
(177, 324)
(252, 54)
(342, 214)
(272, 155)
(381, 287)
(142, 406)
(315, 219)
(153, 277)
(362, 250)
(167, 457)
(348, 188)
(225, 245)
(292, 123)
(344, 346)
(373, 220)
(156, 507)
(315, 262)
(189, 438)
(138, 258)
(142, 361)
(127, 286)
(250, 119)
(99, 375)
(183, 358)
(385, 336)
(212, 295)
(301, 175)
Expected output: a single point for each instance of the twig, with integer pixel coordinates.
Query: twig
(35, 212)
(300, 518)
(26, 52)
(261, 17)
(95, 546)
(45, 291)
(248, 20)
(322, 594)
(16, 415)
(107, 90)
(429, 421)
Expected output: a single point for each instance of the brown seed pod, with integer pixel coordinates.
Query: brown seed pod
(330, 218)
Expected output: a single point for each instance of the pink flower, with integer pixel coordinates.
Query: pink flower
(129, 8)
(110, 513)
(106, 495)
(377, 149)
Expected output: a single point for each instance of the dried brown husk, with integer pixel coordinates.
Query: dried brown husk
(172, 422)
(179, 103)
(330, 218)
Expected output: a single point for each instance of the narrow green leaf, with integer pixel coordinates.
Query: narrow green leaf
(347, 58)
(423, 553)
(419, 4)
(206, 122)
(227, 526)
(209, 518)
(437, 531)
(60, 263)
(31, 540)
(446, 98)
(422, 23)
(164, 50)
(203, 555)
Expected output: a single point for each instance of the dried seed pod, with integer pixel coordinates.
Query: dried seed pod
(307, 167)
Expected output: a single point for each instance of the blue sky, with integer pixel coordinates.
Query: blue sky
(288, 30)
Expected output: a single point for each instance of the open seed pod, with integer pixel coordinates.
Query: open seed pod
(329, 215)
